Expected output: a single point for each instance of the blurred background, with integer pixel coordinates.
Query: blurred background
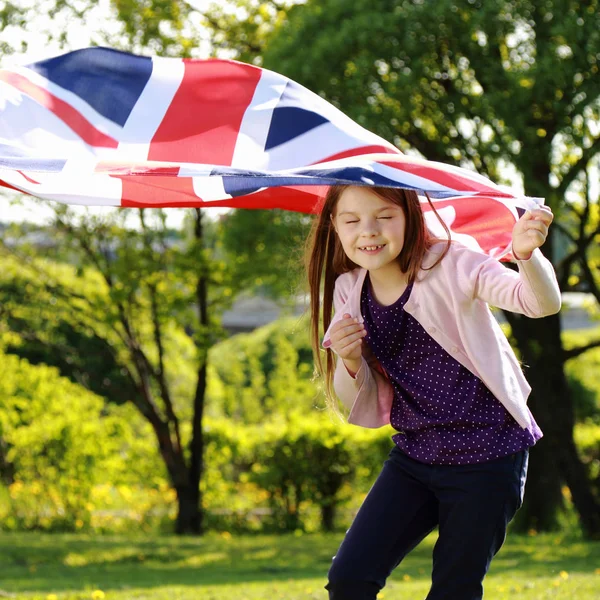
(156, 369)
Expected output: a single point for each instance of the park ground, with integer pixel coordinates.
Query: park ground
(266, 567)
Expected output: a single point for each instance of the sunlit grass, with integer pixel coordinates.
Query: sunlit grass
(227, 567)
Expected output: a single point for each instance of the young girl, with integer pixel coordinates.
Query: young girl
(418, 347)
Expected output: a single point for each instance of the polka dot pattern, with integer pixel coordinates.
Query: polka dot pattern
(444, 413)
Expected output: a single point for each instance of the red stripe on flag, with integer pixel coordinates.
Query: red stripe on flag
(151, 191)
(122, 169)
(449, 179)
(487, 220)
(28, 178)
(155, 191)
(305, 199)
(65, 112)
(12, 187)
(204, 118)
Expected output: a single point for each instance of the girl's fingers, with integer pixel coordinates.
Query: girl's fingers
(347, 340)
(342, 330)
(543, 214)
(537, 226)
(349, 349)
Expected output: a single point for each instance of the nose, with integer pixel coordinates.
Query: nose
(369, 228)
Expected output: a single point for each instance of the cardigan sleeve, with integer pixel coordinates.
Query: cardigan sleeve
(369, 394)
(533, 291)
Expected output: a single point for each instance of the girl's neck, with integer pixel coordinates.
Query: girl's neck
(387, 285)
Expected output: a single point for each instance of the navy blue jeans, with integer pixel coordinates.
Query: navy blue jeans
(471, 504)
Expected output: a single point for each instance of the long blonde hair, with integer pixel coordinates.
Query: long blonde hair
(325, 260)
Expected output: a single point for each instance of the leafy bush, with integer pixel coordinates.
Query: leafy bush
(587, 439)
(583, 373)
(66, 453)
(268, 372)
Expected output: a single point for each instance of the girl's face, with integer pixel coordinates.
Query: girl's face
(371, 229)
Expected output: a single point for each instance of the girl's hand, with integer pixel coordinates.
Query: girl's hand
(530, 232)
(346, 339)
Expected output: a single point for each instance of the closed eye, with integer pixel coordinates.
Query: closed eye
(384, 217)
(348, 222)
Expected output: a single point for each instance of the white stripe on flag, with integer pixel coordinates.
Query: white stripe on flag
(210, 188)
(448, 215)
(151, 107)
(29, 126)
(254, 129)
(98, 190)
(316, 145)
(100, 122)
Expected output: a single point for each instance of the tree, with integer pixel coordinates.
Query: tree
(485, 85)
(134, 274)
(131, 292)
(264, 249)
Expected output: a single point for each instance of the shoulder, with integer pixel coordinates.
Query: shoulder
(458, 255)
(346, 284)
(348, 280)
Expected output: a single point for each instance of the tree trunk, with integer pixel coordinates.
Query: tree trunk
(554, 459)
(7, 470)
(328, 517)
(544, 371)
(189, 513)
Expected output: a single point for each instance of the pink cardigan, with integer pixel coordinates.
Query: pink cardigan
(451, 302)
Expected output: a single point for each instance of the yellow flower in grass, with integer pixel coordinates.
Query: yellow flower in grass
(98, 595)
(51, 597)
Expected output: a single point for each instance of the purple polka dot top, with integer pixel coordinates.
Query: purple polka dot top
(444, 413)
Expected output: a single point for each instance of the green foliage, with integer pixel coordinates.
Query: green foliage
(583, 373)
(266, 372)
(59, 442)
(159, 25)
(68, 317)
(298, 461)
(587, 438)
(229, 496)
(264, 248)
(241, 28)
(302, 469)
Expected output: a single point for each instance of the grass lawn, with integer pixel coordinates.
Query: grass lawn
(223, 567)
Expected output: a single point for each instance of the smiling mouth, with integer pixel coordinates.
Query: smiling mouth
(371, 248)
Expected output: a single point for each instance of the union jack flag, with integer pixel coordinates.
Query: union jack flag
(102, 127)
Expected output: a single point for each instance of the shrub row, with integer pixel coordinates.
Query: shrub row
(295, 473)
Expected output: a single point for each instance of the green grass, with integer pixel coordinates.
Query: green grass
(219, 567)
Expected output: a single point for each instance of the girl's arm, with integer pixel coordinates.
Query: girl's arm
(359, 381)
(368, 395)
(533, 291)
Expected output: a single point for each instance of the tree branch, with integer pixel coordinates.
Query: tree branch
(586, 156)
(589, 276)
(574, 352)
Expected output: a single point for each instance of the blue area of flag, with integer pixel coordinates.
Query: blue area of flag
(108, 80)
(289, 120)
